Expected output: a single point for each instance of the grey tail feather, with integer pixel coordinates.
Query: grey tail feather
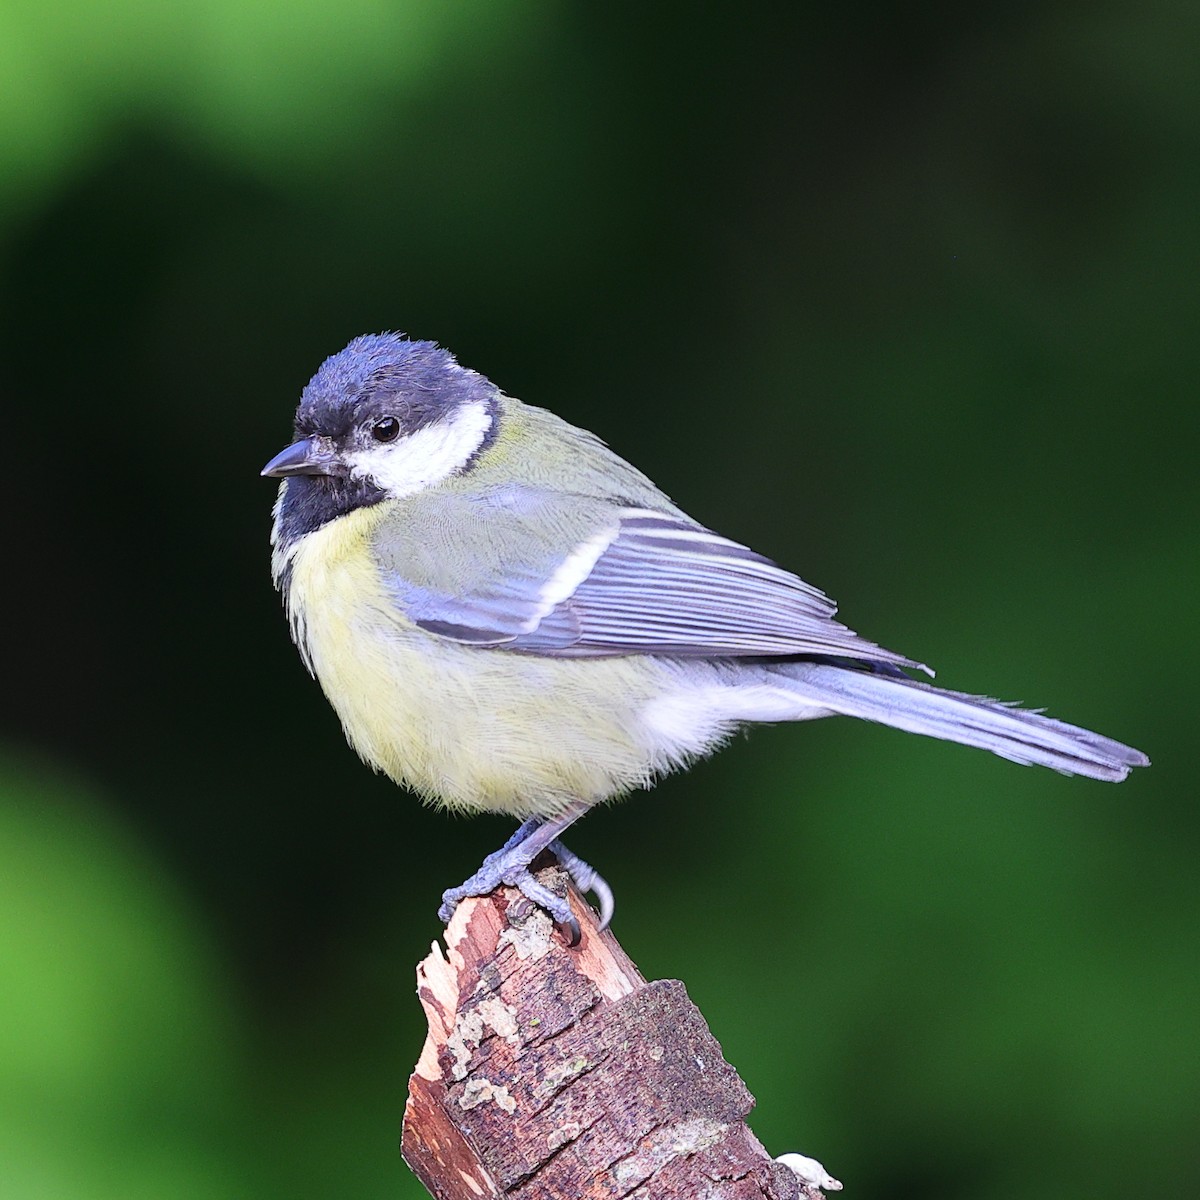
(1014, 733)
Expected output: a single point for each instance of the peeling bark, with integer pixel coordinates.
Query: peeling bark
(552, 1073)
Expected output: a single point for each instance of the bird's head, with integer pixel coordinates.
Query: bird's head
(382, 419)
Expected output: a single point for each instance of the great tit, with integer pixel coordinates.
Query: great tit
(509, 617)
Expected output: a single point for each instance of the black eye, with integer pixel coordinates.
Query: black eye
(386, 429)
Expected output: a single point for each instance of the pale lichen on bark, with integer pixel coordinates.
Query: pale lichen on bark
(552, 1073)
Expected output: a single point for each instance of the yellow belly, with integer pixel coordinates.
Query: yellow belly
(466, 727)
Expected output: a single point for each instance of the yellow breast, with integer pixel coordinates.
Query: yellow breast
(466, 727)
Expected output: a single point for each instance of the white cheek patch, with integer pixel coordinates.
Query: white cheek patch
(427, 456)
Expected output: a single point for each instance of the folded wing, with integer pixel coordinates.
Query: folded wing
(643, 582)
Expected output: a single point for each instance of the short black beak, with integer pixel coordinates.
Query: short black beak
(309, 456)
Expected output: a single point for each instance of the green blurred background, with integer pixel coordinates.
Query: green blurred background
(907, 298)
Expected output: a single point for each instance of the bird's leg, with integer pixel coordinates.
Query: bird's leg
(510, 865)
(523, 831)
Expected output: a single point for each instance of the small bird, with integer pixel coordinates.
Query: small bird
(508, 617)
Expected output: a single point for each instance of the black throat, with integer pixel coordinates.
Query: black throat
(310, 501)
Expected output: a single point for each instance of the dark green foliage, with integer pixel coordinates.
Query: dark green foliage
(908, 305)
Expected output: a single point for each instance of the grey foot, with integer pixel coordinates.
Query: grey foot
(510, 865)
(495, 872)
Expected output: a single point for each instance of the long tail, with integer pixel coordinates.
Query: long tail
(1013, 733)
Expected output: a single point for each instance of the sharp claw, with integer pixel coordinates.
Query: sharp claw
(587, 879)
(571, 927)
(604, 894)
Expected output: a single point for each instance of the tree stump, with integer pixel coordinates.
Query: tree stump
(558, 1073)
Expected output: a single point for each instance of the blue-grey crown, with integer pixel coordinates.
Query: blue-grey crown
(414, 380)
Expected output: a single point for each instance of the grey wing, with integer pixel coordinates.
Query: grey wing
(646, 582)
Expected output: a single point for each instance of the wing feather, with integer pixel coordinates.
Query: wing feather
(646, 582)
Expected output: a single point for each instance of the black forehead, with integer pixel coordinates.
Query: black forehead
(386, 375)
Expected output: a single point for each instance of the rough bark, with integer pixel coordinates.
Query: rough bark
(557, 1073)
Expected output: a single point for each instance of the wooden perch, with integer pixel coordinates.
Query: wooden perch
(552, 1073)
